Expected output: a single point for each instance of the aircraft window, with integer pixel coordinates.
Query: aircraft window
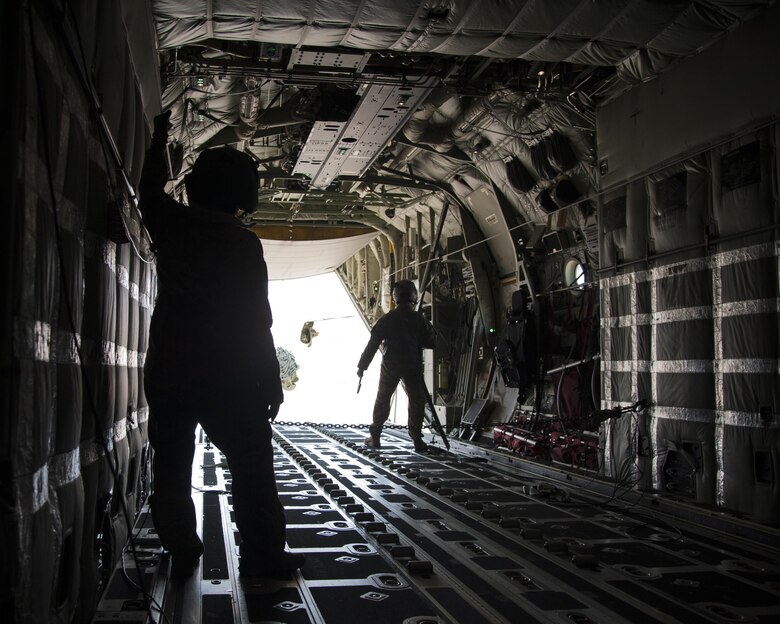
(574, 274)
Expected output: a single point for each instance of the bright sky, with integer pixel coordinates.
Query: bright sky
(327, 388)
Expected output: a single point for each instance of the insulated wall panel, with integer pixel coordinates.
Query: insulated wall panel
(685, 340)
(65, 405)
(130, 480)
(88, 556)
(621, 387)
(29, 382)
(122, 423)
(708, 364)
(122, 334)
(621, 343)
(751, 278)
(34, 420)
(625, 335)
(751, 456)
(121, 450)
(146, 298)
(620, 300)
(626, 363)
(70, 502)
(684, 286)
(742, 176)
(685, 462)
(752, 336)
(678, 206)
(752, 392)
(135, 436)
(687, 390)
(682, 343)
(69, 384)
(747, 324)
(133, 318)
(623, 225)
(98, 347)
(64, 466)
(40, 541)
(698, 333)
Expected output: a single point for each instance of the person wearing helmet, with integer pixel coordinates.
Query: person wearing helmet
(404, 333)
(211, 357)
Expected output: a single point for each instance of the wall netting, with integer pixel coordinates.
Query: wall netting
(80, 307)
(690, 321)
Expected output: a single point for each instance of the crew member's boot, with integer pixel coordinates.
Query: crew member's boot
(419, 445)
(372, 440)
(184, 562)
(416, 435)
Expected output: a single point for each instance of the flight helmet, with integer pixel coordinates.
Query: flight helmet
(223, 179)
(404, 292)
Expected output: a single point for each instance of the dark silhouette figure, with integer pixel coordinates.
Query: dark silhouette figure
(405, 333)
(211, 357)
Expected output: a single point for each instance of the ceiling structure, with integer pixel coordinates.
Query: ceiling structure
(374, 113)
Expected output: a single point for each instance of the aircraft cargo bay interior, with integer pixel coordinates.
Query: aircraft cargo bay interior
(410, 311)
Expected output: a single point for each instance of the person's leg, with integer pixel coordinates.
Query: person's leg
(244, 436)
(388, 381)
(172, 436)
(414, 384)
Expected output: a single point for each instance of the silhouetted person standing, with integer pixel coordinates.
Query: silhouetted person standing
(211, 357)
(405, 333)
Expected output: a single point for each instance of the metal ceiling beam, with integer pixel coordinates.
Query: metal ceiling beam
(401, 181)
(406, 76)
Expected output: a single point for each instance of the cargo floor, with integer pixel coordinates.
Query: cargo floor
(396, 536)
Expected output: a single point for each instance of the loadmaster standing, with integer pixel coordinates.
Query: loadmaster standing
(405, 333)
(211, 357)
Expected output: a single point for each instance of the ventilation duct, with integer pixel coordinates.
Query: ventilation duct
(419, 129)
(255, 119)
(519, 176)
(560, 152)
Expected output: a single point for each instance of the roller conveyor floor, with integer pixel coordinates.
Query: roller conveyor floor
(397, 536)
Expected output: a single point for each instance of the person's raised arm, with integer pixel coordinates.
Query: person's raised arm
(155, 173)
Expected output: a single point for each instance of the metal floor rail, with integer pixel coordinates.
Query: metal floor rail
(393, 536)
